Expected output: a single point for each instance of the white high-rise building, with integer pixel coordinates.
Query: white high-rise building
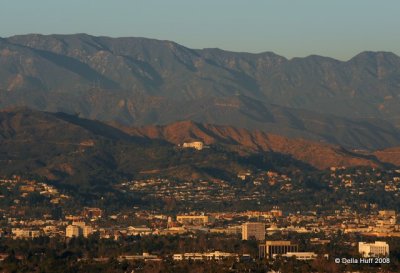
(376, 249)
(253, 229)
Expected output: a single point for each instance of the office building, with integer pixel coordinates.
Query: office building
(253, 230)
(271, 248)
(377, 249)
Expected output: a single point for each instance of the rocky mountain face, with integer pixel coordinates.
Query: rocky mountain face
(390, 155)
(318, 155)
(138, 82)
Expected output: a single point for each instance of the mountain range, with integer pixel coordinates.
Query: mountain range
(137, 82)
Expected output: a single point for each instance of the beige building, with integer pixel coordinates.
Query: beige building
(143, 230)
(302, 256)
(198, 145)
(216, 255)
(78, 229)
(21, 233)
(276, 212)
(271, 248)
(377, 249)
(144, 257)
(73, 231)
(80, 224)
(253, 229)
(387, 213)
(194, 219)
(227, 230)
(86, 231)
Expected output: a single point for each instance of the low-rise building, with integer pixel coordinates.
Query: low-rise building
(143, 230)
(387, 213)
(23, 233)
(194, 219)
(216, 255)
(144, 257)
(377, 249)
(227, 230)
(92, 212)
(303, 256)
(271, 248)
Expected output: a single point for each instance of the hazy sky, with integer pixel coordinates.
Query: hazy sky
(336, 28)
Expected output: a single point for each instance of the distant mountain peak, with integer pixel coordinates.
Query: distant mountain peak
(365, 55)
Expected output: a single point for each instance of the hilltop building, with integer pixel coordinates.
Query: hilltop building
(198, 145)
